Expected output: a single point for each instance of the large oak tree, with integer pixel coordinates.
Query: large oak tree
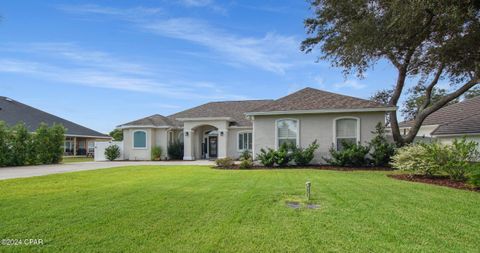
(424, 39)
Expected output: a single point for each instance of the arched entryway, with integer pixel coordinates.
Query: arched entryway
(210, 144)
(205, 139)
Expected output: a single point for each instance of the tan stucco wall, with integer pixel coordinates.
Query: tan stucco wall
(232, 149)
(155, 137)
(313, 127)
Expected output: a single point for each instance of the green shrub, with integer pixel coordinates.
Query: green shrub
(112, 152)
(474, 176)
(175, 150)
(245, 155)
(429, 159)
(49, 143)
(19, 140)
(4, 144)
(283, 155)
(157, 153)
(267, 157)
(226, 162)
(458, 158)
(302, 156)
(246, 163)
(351, 154)
(382, 150)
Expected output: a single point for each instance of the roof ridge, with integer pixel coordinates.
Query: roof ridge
(332, 93)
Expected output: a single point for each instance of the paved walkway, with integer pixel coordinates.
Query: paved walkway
(40, 170)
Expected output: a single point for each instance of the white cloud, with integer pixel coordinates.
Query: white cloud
(102, 70)
(353, 84)
(204, 3)
(271, 52)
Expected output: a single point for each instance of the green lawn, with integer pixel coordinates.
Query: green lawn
(198, 209)
(77, 159)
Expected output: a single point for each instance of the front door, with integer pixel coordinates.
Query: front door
(212, 146)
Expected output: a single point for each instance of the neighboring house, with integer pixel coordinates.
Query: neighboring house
(225, 129)
(79, 140)
(450, 122)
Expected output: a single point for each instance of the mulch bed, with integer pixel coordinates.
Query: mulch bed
(312, 166)
(436, 180)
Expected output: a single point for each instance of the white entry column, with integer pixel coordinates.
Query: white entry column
(222, 143)
(188, 144)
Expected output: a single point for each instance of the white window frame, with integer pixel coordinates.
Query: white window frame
(334, 141)
(238, 140)
(133, 139)
(298, 131)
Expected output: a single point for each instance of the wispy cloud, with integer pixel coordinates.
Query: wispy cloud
(130, 13)
(102, 70)
(350, 83)
(211, 4)
(272, 52)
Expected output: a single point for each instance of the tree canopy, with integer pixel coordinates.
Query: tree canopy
(427, 39)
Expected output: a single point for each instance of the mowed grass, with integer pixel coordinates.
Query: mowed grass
(199, 209)
(76, 159)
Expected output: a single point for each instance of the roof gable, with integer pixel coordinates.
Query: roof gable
(14, 112)
(156, 120)
(313, 99)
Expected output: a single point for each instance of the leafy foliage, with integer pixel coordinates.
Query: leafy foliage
(157, 153)
(267, 157)
(302, 156)
(283, 155)
(351, 154)
(112, 152)
(416, 98)
(246, 163)
(226, 162)
(245, 155)
(381, 149)
(430, 40)
(434, 158)
(175, 150)
(116, 134)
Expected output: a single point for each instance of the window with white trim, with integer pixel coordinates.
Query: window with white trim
(245, 141)
(287, 132)
(139, 139)
(346, 131)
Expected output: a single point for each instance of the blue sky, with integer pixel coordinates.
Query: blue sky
(103, 63)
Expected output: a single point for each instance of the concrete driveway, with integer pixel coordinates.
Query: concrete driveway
(40, 170)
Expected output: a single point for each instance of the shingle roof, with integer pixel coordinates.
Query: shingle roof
(314, 99)
(459, 118)
(233, 109)
(13, 112)
(154, 120)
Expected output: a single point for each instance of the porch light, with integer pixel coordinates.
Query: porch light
(221, 133)
(186, 134)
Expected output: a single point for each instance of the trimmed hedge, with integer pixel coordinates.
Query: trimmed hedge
(19, 147)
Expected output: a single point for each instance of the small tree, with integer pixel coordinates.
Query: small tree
(42, 144)
(112, 152)
(116, 134)
(57, 138)
(19, 140)
(381, 149)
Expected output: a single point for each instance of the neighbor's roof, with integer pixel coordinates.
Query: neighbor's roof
(310, 99)
(457, 119)
(13, 112)
(233, 109)
(156, 120)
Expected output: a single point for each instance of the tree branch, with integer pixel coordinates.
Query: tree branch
(422, 115)
(428, 91)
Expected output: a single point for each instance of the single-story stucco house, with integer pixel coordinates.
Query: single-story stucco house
(454, 121)
(79, 140)
(225, 129)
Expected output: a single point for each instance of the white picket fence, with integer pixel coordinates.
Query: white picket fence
(100, 147)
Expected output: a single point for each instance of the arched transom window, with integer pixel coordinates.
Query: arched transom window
(139, 139)
(287, 132)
